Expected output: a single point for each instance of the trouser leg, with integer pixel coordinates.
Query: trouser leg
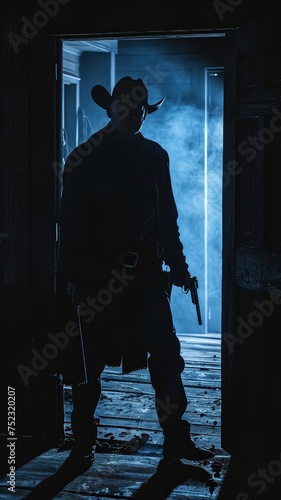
(165, 362)
(171, 402)
(165, 366)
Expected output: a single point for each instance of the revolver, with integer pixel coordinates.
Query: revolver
(193, 285)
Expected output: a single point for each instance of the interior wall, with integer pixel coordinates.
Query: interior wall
(173, 67)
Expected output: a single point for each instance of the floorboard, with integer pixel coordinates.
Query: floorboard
(126, 410)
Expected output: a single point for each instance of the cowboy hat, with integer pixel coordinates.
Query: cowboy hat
(124, 88)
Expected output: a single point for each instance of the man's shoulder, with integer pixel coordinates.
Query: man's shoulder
(82, 155)
(156, 148)
(81, 152)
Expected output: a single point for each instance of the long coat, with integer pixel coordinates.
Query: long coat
(115, 199)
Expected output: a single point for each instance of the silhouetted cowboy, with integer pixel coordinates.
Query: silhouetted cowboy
(118, 226)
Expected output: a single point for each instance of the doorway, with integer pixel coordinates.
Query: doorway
(189, 72)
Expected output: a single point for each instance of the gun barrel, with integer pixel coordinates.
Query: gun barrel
(195, 299)
(198, 313)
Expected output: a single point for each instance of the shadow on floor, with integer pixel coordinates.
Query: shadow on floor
(168, 477)
(158, 487)
(53, 484)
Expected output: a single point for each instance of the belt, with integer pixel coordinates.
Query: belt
(131, 258)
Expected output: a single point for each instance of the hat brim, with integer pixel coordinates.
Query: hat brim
(103, 99)
(153, 107)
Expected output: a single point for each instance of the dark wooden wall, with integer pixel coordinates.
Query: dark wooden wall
(252, 278)
(29, 191)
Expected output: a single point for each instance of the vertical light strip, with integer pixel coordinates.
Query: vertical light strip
(206, 205)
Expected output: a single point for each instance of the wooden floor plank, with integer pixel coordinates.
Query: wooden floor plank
(117, 475)
(126, 409)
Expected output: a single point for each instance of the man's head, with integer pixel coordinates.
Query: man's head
(127, 106)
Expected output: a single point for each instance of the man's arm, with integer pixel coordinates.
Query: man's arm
(169, 232)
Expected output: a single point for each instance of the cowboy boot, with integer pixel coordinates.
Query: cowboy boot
(84, 422)
(85, 441)
(178, 444)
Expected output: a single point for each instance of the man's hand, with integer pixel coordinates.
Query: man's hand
(186, 287)
(181, 279)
